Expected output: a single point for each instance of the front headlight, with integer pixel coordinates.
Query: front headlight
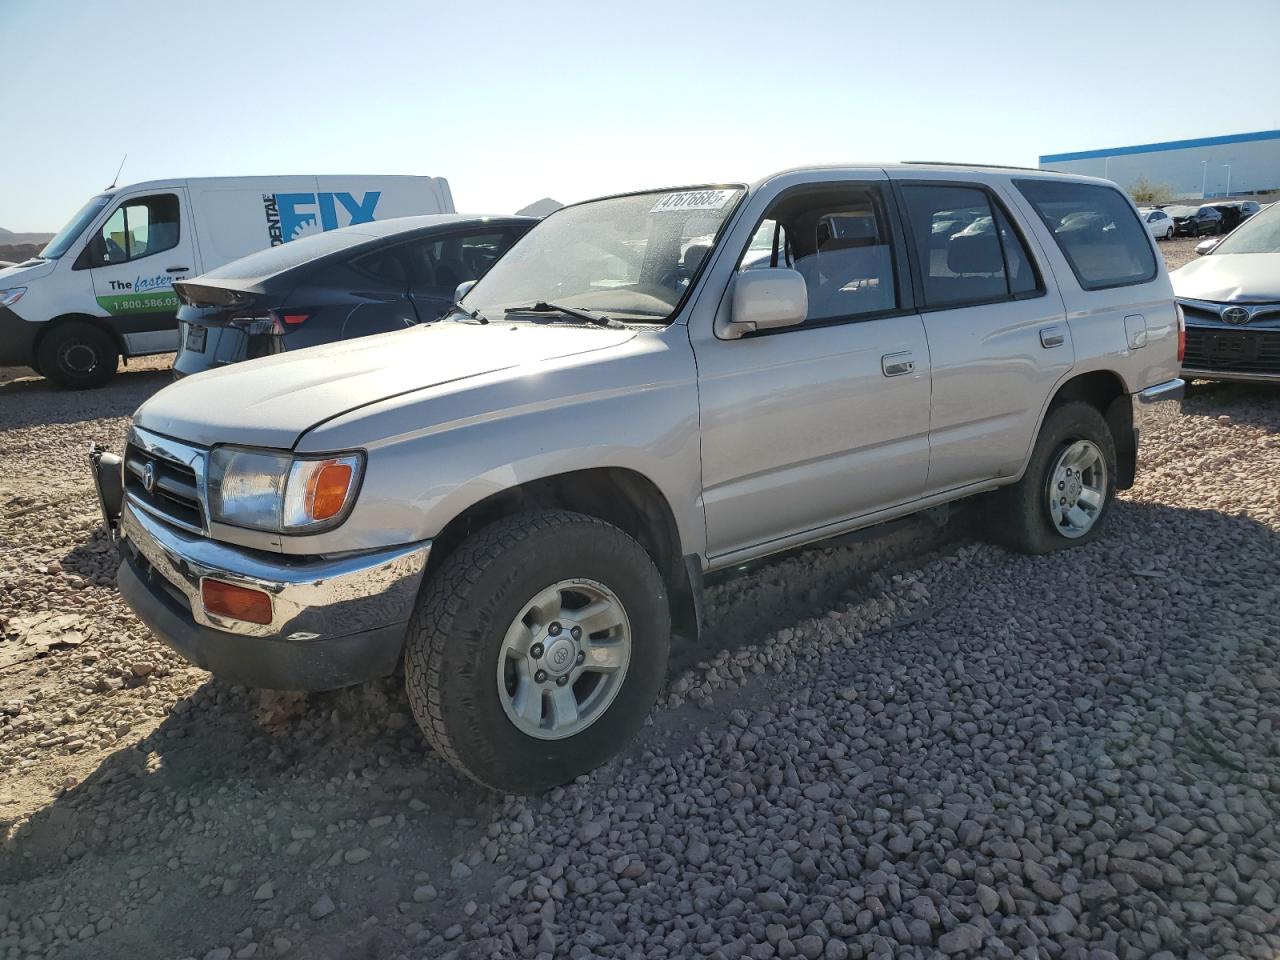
(11, 296)
(280, 492)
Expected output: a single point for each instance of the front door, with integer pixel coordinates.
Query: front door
(142, 247)
(807, 426)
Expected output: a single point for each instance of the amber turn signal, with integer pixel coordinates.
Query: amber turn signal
(239, 603)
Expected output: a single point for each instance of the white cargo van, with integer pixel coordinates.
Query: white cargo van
(103, 287)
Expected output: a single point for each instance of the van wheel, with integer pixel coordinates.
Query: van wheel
(77, 356)
(1065, 495)
(537, 649)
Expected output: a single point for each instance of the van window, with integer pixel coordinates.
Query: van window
(838, 240)
(138, 228)
(1097, 231)
(968, 251)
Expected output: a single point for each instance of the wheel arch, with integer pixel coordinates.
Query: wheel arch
(620, 496)
(1106, 391)
(63, 319)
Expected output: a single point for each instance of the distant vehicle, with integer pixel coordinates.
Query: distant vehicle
(1159, 224)
(1236, 212)
(353, 282)
(102, 288)
(1195, 221)
(1231, 301)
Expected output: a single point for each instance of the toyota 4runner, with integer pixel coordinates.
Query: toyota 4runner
(519, 503)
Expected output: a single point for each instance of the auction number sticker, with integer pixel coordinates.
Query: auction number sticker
(693, 200)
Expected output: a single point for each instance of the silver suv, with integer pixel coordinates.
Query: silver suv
(520, 502)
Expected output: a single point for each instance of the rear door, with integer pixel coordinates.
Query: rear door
(134, 257)
(438, 263)
(997, 338)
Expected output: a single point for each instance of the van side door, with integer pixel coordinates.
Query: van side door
(998, 336)
(807, 427)
(134, 256)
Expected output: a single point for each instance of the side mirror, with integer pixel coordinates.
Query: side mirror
(1207, 246)
(462, 290)
(765, 299)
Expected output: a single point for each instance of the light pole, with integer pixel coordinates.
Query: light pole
(1204, 176)
(1228, 166)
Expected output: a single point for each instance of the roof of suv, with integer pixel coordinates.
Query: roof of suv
(942, 167)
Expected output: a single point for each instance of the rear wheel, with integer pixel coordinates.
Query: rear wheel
(77, 355)
(537, 649)
(1065, 495)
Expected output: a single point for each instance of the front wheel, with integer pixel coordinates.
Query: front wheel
(1168, 234)
(1065, 495)
(537, 649)
(77, 355)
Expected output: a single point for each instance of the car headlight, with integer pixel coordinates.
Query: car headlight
(280, 492)
(11, 296)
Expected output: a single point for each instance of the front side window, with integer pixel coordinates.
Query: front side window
(837, 239)
(967, 249)
(137, 228)
(628, 258)
(1096, 230)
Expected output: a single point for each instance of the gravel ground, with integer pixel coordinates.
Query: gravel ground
(915, 745)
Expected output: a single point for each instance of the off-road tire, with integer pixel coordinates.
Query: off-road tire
(1018, 515)
(73, 340)
(463, 614)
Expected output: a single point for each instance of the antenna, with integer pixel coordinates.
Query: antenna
(116, 178)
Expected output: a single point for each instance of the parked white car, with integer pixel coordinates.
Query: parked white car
(1231, 300)
(1159, 224)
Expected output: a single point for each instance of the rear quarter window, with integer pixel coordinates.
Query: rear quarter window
(1096, 229)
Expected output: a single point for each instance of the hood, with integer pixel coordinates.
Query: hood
(1227, 277)
(273, 401)
(20, 274)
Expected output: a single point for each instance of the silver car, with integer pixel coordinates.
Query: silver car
(1231, 299)
(520, 503)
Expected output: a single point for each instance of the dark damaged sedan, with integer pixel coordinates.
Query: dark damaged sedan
(371, 278)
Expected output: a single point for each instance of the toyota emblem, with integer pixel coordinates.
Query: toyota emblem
(1235, 315)
(149, 477)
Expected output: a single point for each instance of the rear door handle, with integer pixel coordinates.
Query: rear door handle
(1052, 337)
(897, 364)
(176, 269)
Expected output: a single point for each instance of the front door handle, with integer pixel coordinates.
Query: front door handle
(176, 269)
(897, 364)
(1052, 337)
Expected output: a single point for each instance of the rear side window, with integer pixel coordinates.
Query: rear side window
(1096, 230)
(968, 251)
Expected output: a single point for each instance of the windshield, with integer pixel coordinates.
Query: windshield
(629, 257)
(1259, 234)
(65, 237)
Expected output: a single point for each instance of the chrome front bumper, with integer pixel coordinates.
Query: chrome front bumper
(311, 598)
(335, 621)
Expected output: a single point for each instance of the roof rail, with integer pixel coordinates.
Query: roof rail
(956, 163)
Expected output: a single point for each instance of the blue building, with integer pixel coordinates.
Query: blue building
(1243, 163)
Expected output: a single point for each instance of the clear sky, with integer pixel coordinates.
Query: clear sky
(513, 101)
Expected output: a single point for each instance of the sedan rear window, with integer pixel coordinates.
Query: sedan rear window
(1097, 231)
(273, 260)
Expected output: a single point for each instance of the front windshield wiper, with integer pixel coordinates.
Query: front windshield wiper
(475, 315)
(578, 313)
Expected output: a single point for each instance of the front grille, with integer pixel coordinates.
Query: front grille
(174, 493)
(1232, 351)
